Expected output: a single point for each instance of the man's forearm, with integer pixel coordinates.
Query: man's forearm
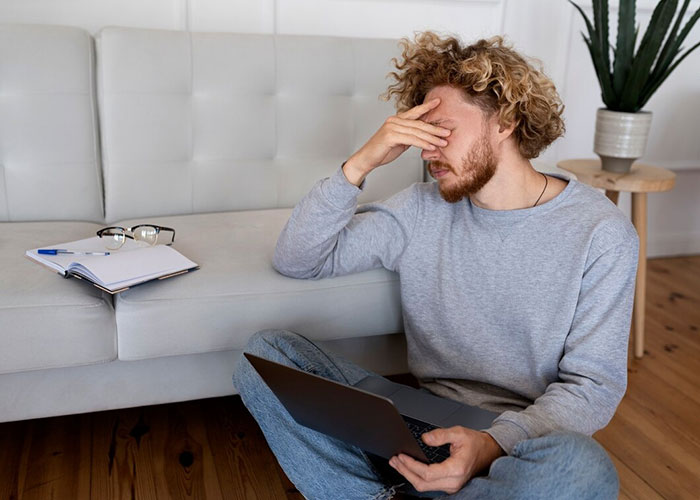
(309, 236)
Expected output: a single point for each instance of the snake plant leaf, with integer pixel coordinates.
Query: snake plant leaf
(661, 80)
(591, 31)
(600, 20)
(594, 48)
(644, 59)
(606, 87)
(658, 72)
(624, 50)
(632, 80)
(688, 26)
(676, 47)
(668, 52)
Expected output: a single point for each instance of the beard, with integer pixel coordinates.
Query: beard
(477, 169)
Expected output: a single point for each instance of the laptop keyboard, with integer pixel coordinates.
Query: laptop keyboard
(435, 454)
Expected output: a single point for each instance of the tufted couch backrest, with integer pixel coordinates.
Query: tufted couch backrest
(49, 155)
(205, 122)
(188, 122)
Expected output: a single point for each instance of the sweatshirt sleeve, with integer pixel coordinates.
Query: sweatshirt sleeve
(327, 235)
(593, 367)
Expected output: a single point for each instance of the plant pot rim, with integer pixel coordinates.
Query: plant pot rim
(640, 112)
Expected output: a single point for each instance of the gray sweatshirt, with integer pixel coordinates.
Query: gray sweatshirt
(524, 312)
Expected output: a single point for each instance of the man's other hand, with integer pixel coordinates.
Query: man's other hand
(471, 453)
(396, 135)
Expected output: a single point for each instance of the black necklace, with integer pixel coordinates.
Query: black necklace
(545, 188)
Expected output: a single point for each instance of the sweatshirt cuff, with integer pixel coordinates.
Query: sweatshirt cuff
(507, 434)
(340, 192)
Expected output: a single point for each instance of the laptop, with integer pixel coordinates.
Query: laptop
(375, 414)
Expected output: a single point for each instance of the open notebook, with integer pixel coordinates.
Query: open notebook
(134, 263)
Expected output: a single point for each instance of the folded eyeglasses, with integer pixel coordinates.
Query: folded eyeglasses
(114, 237)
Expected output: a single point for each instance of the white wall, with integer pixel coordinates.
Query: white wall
(546, 29)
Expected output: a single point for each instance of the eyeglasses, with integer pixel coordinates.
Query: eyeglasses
(114, 237)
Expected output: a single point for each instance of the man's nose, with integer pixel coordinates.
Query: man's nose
(428, 154)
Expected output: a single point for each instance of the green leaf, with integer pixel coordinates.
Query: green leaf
(648, 48)
(662, 66)
(671, 47)
(688, 27)
(626, 37)
(591, 31)
(595, 50)
(593, 57)
(600, 18)
(661, 80)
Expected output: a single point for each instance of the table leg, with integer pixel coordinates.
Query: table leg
(639, 219)
(612, 195)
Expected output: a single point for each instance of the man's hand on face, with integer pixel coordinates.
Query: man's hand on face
(471, 452)
(396, 135)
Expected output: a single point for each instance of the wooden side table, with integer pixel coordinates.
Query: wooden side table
(639, 181)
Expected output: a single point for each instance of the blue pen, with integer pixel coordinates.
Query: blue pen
(57, 251)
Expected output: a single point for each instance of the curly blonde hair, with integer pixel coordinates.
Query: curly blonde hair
(495, 77)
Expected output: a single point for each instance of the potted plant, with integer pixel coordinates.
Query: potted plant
(626, 86)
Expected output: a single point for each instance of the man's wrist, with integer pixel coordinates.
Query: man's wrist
(490, 451)
(354, 172)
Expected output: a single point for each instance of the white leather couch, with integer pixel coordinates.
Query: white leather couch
(216, 135)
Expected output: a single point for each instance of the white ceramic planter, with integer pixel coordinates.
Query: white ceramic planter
(620, 138)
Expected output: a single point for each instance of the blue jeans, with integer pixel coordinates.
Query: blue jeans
(556, 466)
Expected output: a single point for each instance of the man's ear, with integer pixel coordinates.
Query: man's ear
(505, 131)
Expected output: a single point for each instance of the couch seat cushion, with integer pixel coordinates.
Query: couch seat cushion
(47, 321)
(236, 292)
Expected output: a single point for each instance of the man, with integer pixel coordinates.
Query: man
(516, 288)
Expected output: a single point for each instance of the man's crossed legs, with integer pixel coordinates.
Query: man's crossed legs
(565, 465)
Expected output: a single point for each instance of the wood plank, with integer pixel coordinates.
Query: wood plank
(661, 364)
(631, 485)
(24, 458)
(648, 457)
(123, 466)
(183, 456)
(12, 435)
(677, 297)
(678, 355)
(679, 286)
(84, 472)
(654, 422)
(53, 460)
(691, 262)
(154, 452)
(195, 418)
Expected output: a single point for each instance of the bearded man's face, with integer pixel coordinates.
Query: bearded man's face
(468, 161)
(475, 170)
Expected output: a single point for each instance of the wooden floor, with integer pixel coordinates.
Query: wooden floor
(213, 449)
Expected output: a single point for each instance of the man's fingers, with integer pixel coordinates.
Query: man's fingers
(420, 125)
(400, 129)
(438, 437)
(418, 468)
(418, 473)
(412, 477)
(418, 111)
(424, 477)
(412, 140)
